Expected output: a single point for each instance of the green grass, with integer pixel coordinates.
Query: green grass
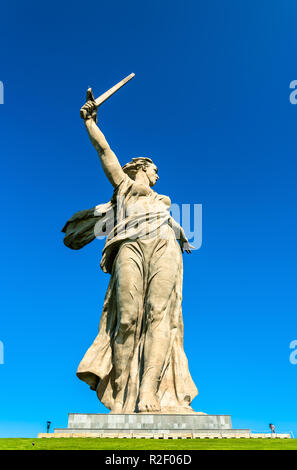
(146, 444)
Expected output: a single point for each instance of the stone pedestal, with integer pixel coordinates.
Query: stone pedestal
(152, 423)
(153, 426)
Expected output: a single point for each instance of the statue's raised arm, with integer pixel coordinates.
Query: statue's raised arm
(109, 161)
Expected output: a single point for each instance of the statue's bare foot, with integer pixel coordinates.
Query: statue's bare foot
(148, 402)
(117, 408)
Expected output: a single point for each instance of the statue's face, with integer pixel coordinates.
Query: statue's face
(152, 174)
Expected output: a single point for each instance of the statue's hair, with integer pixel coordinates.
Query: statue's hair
(132, 167)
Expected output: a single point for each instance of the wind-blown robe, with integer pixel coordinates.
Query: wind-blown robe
(176, 387)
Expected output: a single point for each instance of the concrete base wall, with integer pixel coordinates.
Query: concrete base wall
(154, 426)
(227, 434)
(150, 422)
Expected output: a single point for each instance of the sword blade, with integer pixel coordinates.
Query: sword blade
(102, 98)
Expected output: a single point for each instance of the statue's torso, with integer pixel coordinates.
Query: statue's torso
(143, 199)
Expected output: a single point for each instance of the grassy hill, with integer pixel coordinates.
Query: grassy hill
(146, 444)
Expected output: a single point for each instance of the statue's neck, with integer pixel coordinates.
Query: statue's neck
(142, 178)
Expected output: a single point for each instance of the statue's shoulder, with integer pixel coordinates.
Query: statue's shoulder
(125, 183)
(163, 198)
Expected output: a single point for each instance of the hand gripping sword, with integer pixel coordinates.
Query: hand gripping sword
(102, 98)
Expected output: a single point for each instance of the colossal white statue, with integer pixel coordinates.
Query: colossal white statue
(137, 362)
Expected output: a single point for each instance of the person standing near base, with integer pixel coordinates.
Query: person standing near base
(272, 428)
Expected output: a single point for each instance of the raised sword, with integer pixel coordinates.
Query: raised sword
(102, 98)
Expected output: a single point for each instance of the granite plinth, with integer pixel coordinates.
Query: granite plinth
(79, 422)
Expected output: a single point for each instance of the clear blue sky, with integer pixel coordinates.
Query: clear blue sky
(210, 104)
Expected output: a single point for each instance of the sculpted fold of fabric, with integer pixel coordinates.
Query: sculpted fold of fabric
(144, 259)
